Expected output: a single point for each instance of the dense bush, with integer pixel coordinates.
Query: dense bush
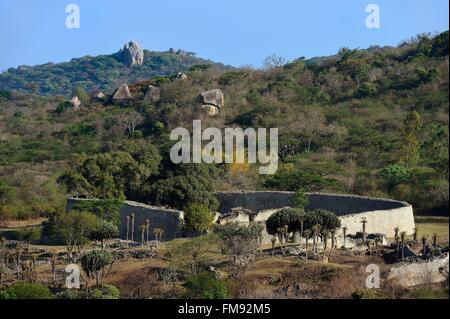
(24, 290)
(205, 286)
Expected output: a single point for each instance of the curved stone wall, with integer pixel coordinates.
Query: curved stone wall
(382, 215)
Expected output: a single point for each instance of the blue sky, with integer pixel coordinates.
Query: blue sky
(236, 32)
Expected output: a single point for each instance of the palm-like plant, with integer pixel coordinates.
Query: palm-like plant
(397, 239)
(403, 237)
(364, 224)
(280, 235)
(128, 227)
(424, 245)
(344, 232)
(315, 235)
(435, 238)
(301, 221)
(147, 225)
(325, 235)
(286, 233)
(142, 228)
(307, 237)
(273, 240)
(132, 217)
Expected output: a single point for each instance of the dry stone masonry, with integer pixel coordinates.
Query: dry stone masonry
(382, 215)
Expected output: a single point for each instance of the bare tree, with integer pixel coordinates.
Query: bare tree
(273, 61)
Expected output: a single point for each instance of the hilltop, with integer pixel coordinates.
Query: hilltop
(99, 73)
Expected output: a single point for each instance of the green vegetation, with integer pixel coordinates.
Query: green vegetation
(370, 122)
(22, 290)
(89, 74)
(198, 218)
(205, 286)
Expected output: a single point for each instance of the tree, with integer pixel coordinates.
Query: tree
(143, 228)
(411, 127)
(435, 237)
(273, 61)
(103, 231)
(403, 237)
(132, 217)
(158, 232)
(75, 228)
(307, 237)
(424, 240)
(94, 264)
(128, 226)
(434, 150)
(300, 199)
(284, 217)
(198, 218)
(315, 234)
(397, 239)
(147, 228)
(344, 233)
(394, 175)
(241, 244)
(106, 209)
(6, 193)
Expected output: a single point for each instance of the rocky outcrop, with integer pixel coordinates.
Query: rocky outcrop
(213, 101)
(100, 96)
(152, 94)
(210, 110)
(132, 54)
(122, 93)
(180, 76)
(420, 272)
(213, 97)
(76, 103)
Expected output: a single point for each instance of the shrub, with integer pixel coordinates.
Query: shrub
(205, 286)
(24, 290)
(198, 218)
(94, 262)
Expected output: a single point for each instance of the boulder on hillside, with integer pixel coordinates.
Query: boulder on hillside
(122, 93)
(180, 76)
(152, 94)
(132, 54)
(210, 110)
(76, 103)
(213, 97)
(100, 96)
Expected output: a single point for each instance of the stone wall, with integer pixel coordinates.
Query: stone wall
(160, 217)
(382, 215)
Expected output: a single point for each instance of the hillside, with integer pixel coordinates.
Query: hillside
(369, 122)
(99, 73)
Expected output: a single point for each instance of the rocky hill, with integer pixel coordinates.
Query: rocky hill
(100, 73)
(366, 122)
